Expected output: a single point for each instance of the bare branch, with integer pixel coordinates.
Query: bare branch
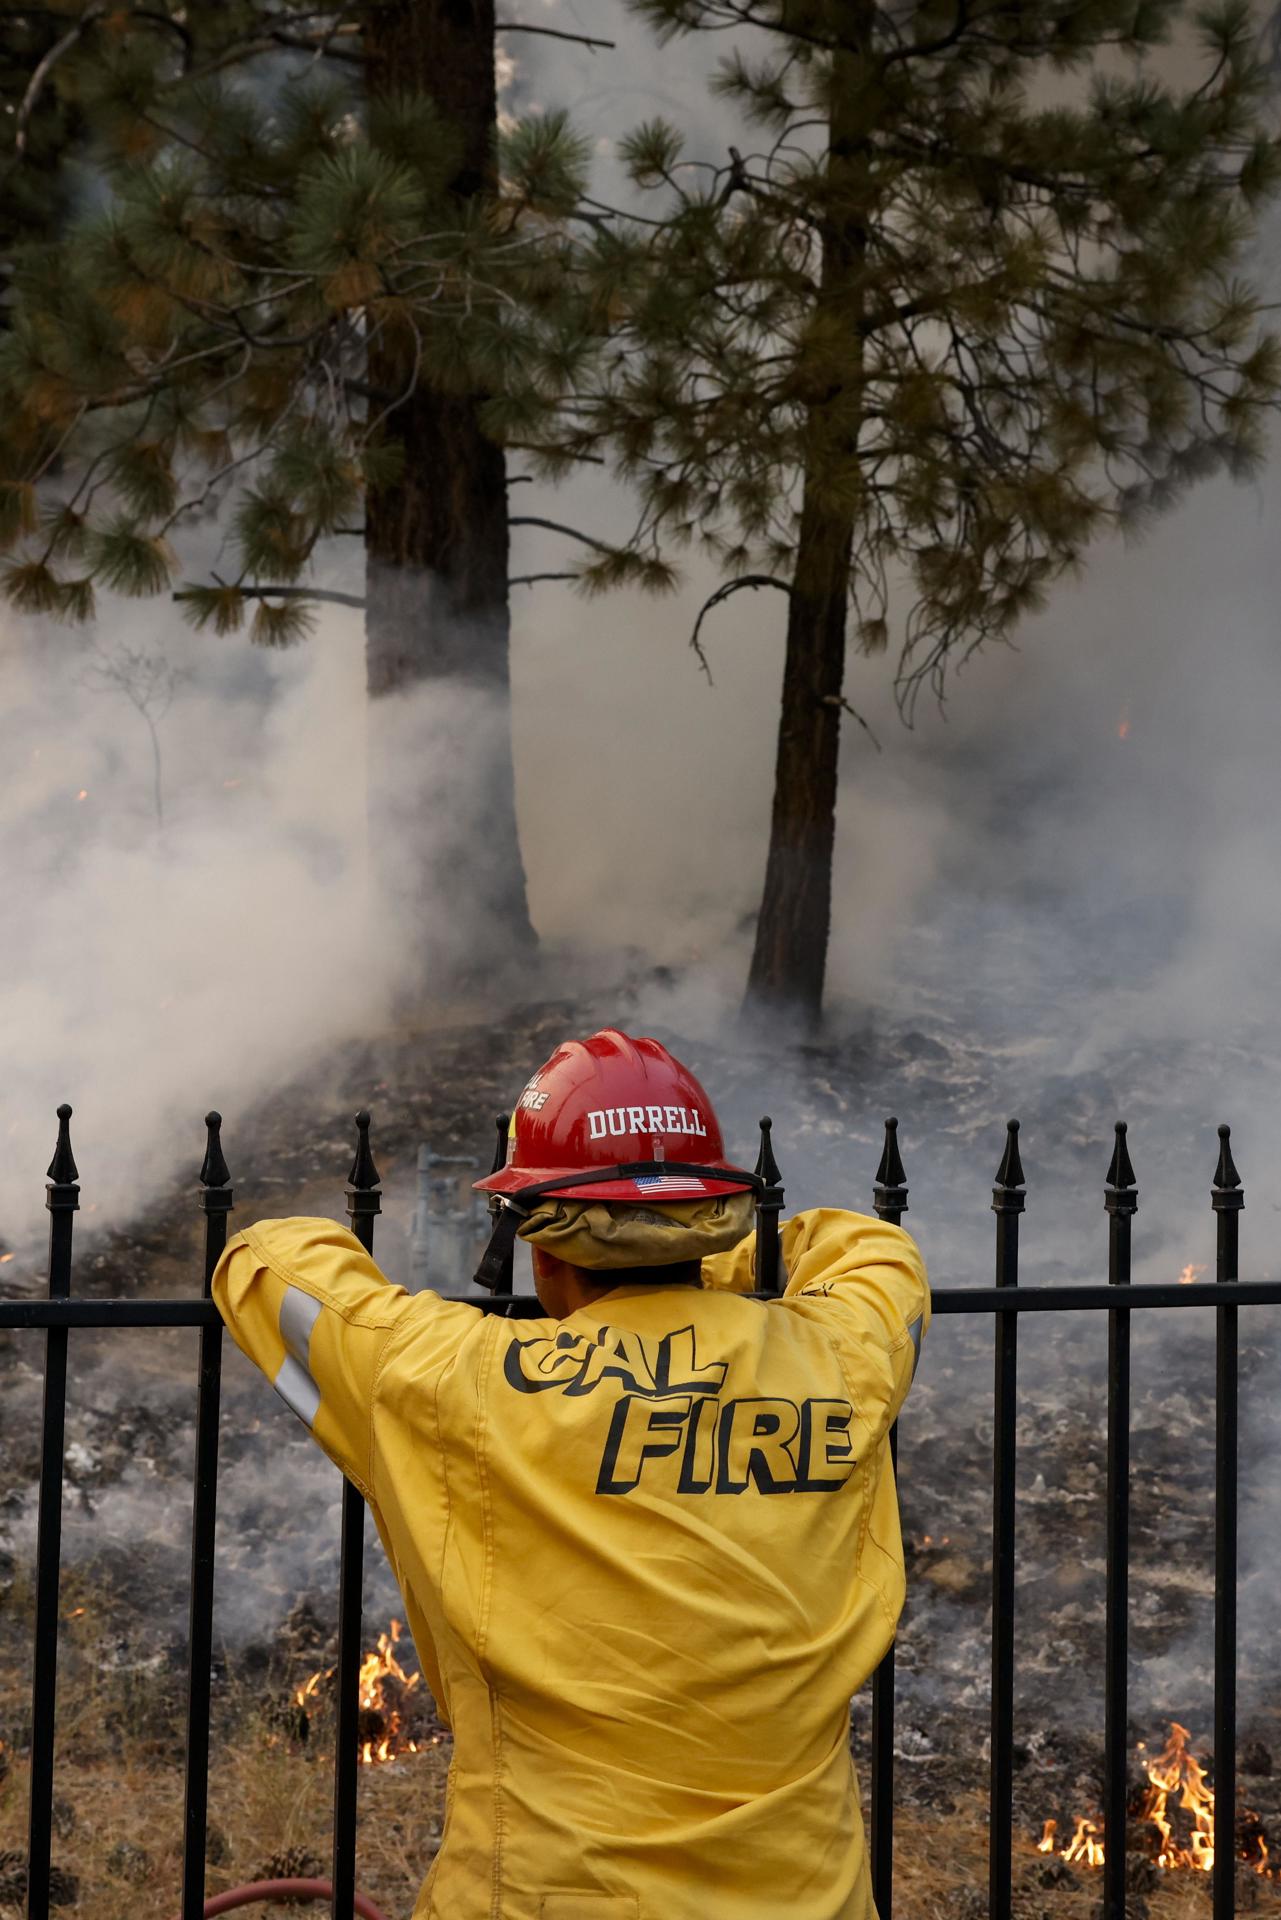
(723, 592)
(532, 579)
(291, 593)
(45, 67)
(531, 446)
(557, 526)
(552, 33)
(839, 700)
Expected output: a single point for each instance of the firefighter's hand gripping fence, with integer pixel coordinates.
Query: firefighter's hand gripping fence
(61, 1312)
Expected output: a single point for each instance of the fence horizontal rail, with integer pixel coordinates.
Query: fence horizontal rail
(524, 1306)
(194, 1312)
(1172, 1293)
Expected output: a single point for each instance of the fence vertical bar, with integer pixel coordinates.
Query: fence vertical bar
(889, 1199)
(1121, 1201)
(216, 1204)
(1007, 1204)
(769, 1204)
(1227, 1200)
(502, 1124)
(62, 1197)
(363, 1203)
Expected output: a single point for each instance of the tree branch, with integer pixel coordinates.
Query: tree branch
(552, 33)
(531, 446)
(291, 593)
(722, 593)
(532, 579)
(839, 700)
(557, 526)
(45, 67)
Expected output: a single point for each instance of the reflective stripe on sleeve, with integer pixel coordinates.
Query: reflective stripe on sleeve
(298, 1315)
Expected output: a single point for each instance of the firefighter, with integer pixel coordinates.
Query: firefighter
(648, 1544)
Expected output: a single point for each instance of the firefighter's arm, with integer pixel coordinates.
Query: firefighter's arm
(864, 1283)
(309, 1307)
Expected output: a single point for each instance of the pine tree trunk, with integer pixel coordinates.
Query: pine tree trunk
(443, 809)
(789, 961)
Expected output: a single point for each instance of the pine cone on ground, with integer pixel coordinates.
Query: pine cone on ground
(291, 1863)
(13, 1874)
(64, 1888)
(128, 1861)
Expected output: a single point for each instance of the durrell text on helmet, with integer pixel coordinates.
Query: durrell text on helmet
(618, 1121)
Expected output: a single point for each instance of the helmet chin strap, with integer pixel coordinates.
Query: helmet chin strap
(497, 1258)
(511, 1211)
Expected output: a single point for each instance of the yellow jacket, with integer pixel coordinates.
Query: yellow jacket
(646, 1659)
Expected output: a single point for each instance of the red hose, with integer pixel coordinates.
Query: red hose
(285, 1890)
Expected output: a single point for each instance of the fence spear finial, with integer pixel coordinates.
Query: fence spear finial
(62, 1168)
(891, 1172)
(1120, 1173)
(1226, 1176)
(214, 1171)
(889, 1191)
(1010, 1171)
(364, 1174)
(767, 1167)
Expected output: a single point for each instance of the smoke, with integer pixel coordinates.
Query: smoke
(153, 972)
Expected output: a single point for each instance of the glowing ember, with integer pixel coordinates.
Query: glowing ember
(1123, 727)
(385, 1688)
(83, 794)
(1176, 1787)
(1191, 1273)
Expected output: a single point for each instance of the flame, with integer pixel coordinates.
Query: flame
(1123, 727)
(1191, 1273)
(1174, 1775)
(376, 1669)
(1083, 1845)
(1173, 1770)
(83, 794)
(5, 1258)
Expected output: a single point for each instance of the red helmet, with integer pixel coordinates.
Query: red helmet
(616, 1102)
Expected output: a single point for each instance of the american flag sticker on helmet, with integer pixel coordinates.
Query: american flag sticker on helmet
(670, 1183)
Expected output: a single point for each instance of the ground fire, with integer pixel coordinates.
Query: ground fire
(388, 1696)
(1175, 1810)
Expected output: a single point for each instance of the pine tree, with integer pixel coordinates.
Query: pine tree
(308, 272)
(973, 299)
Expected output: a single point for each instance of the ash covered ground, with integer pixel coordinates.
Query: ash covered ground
(130, 1428)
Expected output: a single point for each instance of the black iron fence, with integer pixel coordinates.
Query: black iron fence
(61, 1312)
